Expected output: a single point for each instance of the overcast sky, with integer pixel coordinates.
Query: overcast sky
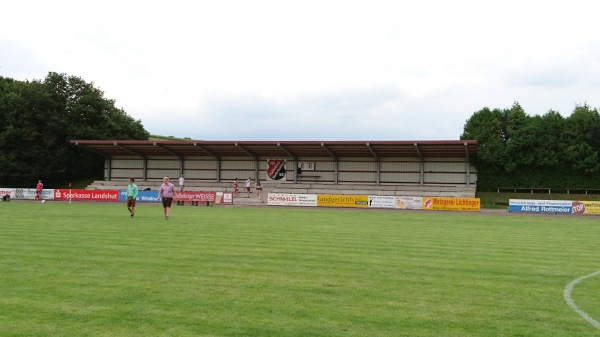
(312, 70)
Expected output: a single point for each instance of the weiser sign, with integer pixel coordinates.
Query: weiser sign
(86, 195)
(196, 196)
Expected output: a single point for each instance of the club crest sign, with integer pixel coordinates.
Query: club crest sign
(276, 169)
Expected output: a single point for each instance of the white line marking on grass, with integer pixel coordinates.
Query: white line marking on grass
(574, 306)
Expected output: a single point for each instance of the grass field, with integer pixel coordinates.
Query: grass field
(91, 270)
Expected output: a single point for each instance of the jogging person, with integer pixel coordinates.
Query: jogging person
(38, 190)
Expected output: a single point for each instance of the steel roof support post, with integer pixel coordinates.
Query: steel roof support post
(377, 163)
(335, 159)
(217, 159)
(144, 160)
(145, 169)
(295, 161)
(253, 157)
(108, 168)
(218, 171)
(421, 165)
(176, 155)
(468, 163)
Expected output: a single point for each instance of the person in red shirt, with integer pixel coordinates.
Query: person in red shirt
(236, 187)
(258, 187)
(38, 190)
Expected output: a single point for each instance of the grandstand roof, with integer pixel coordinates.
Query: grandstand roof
(274, 149)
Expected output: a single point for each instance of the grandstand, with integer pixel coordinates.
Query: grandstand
(397, 168)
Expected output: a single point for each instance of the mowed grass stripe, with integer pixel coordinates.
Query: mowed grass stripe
(89, 269)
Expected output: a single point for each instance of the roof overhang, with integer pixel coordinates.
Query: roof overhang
(282, 149)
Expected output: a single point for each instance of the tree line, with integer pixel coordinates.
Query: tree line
(38, 118)
(550, 151)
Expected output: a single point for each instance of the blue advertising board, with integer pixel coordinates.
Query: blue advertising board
(143, 196)
(540, 206)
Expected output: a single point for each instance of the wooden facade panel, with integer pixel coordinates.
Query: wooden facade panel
(445, 178)
(400, 178)
(445, 167)
(127, 173)
(400, 166)
(359, 170)
(167, 164)
(127, 163)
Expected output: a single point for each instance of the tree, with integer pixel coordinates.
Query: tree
(486, 126)
(515, 149)
(581, 139)
(41, 117)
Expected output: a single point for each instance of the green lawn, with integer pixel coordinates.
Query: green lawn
(91, 270)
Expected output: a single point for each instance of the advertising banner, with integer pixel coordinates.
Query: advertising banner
(451, 204)
(187, 196)
(143, 196)
(285, 199)
(224, 198)
(7, 191)
(276, 169)
(378, 201)
(86, 195)
(340, 200)
(586, 207)
(26, 193)
(540, 206)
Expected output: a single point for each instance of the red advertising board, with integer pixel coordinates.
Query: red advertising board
(86, 195)
(196, 196)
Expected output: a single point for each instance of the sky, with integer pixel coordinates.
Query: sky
(312, 70)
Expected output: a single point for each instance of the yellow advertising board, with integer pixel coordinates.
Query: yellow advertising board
(591, 207)
(339, 200)
(452, 204)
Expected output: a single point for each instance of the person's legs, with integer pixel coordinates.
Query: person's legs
(167, 207)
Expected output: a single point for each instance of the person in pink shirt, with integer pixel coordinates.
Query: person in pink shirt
(258, 187)
(167, 192)
(38, 190)
(236, 187)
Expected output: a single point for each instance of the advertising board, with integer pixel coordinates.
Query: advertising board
(290, 199)
(86, 195)
(452, 204)
(540, 206)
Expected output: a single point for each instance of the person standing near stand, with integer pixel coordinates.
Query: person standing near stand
(248, 184)
(258, 187)
(167, 192)
(236, 187)
(181, 181)
(38, 190)
(132, 193)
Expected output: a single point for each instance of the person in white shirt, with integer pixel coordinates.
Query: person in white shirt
(181, 181)
(248, 184)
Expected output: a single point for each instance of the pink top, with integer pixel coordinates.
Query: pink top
(166, 190)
